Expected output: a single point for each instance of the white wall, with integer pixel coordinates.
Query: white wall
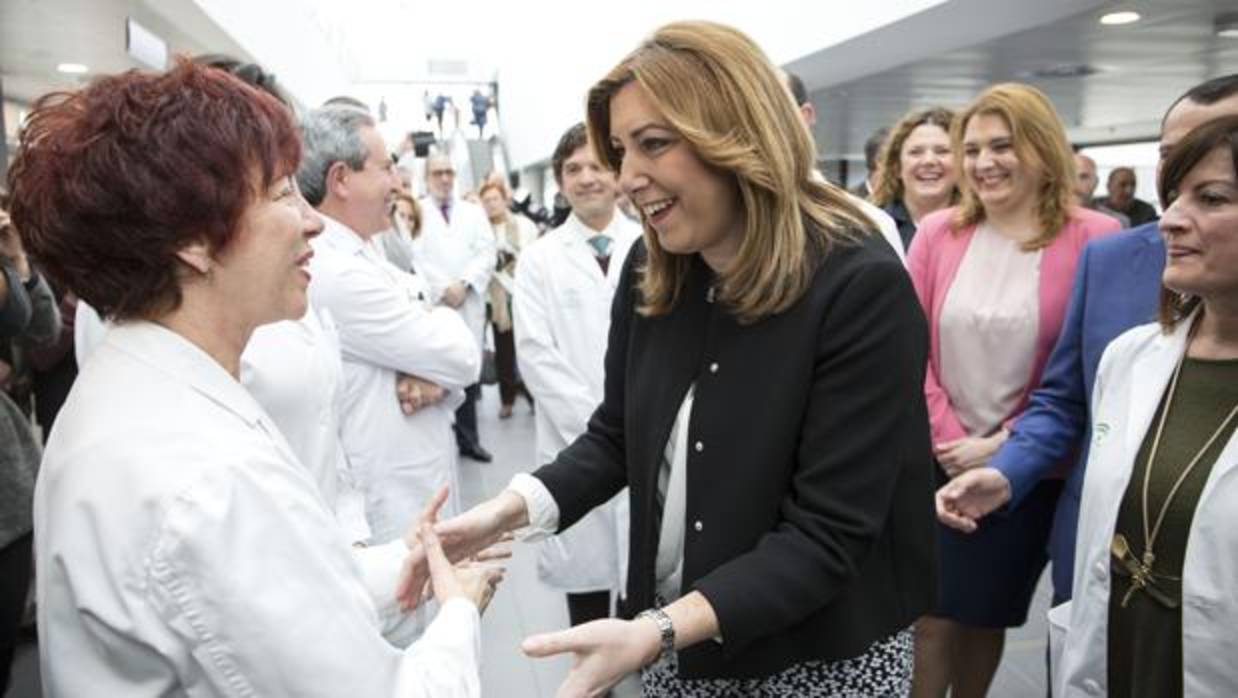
(544, 81)
(290, 38)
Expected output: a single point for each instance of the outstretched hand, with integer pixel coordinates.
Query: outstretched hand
(604, 651)
(971, 496)
(415, 574)
(474, 581)
(463, 536)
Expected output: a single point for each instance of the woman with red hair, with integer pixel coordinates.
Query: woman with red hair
(181, 547)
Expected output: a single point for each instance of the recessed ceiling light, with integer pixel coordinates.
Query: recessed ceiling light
(1227, 25)
(72, 68)
(1121, 17)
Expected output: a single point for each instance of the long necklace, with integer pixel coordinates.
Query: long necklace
(1141, 570)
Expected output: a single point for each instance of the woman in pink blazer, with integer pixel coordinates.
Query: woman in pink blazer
(994, 275)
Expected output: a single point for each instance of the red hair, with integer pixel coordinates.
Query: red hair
(112, 180)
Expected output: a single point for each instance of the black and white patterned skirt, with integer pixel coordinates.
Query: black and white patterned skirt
(883, 670)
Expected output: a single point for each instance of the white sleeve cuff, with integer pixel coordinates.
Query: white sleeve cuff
(541, 505)
(380, 571)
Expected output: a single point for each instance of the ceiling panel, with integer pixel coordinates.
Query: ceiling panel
(1139, 69)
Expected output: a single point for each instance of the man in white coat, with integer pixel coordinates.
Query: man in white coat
(561, 314)
(384, 330)
(456, 255)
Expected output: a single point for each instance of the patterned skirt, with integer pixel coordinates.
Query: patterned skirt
(883, 670)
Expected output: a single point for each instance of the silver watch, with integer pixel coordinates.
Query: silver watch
(665, 628)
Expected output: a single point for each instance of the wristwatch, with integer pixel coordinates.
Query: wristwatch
(665, 628)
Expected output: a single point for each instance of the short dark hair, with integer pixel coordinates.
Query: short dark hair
(872, 147)
(1221, 132)
(250, 73)
(1119, 170)
(798, 91)
(1209, 91)
(110, 181)
(572, 140)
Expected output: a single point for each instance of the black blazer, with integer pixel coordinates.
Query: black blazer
(810, 523)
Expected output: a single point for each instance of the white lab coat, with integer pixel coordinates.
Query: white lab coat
(561, 315)
(292, 368)
(1133, 376)
(384, 330)
(461, 251)
(183, 550)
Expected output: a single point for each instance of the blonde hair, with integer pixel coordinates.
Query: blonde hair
(716, 88)
(889, 161)
(403, 197)
(1040, 143)
(494, 181)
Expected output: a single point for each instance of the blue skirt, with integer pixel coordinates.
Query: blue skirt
(987, 578)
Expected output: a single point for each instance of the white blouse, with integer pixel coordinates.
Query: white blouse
(182, 550)
(988, 327)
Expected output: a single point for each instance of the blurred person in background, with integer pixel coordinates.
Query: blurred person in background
(26, 315)
(872, 162)
(916, 174)
(1120, 196)
(456, 254)
(225, 249)
(993, 275)
(808, 115)
(512, 234)
(1085, 189)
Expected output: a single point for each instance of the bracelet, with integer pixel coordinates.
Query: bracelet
(665, 628)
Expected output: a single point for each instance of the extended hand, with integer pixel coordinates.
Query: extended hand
(968, 452)
(604, 651)
(963, 501)
(415, 573)
(473, 581)
(462, 536)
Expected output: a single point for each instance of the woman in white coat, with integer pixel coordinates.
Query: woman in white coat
(1154, 611)
(561, 308)
(181, 547)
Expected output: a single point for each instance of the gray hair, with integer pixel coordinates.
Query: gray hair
(329, 135)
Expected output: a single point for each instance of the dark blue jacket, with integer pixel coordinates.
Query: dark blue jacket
(1116, 286)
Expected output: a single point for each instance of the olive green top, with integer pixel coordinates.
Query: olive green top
(1145, 637)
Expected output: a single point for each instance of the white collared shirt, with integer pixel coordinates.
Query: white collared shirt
(183, 550)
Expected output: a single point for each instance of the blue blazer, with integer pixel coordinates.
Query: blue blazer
(1116, 287)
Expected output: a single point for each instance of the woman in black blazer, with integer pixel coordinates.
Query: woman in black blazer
(763, 402)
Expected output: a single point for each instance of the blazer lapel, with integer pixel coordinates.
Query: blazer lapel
(1150, 374)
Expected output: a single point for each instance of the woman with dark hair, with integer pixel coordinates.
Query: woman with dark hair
(915, 170)
(181, 546)
(762, 401)
(1154, 610)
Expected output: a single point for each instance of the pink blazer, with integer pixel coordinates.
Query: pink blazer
(934, 259)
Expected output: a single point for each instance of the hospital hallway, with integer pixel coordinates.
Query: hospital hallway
(523, 605)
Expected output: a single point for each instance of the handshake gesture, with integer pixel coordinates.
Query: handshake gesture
(603, 651)
(447, 571)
